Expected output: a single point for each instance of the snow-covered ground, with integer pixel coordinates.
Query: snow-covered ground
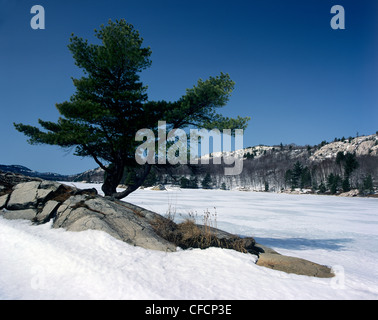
(37, 262)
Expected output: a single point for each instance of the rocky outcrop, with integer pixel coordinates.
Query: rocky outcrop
(124, 222)
(78, 210)
(351, 193)
(361, 146)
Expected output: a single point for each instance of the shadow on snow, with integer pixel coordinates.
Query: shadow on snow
(304, 244)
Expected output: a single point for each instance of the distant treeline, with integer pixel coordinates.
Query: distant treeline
(279, 168)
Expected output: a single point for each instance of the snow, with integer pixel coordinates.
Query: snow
(38, 262)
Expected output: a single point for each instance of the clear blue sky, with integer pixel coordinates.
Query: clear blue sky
(298, 79)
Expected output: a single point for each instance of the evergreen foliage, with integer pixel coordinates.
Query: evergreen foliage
(111, 104)
(206, 182)
(333, 182)
(367, 185)
(298, 176)
(322, 188)
(346, 184)
(189, 184)
(349, 162)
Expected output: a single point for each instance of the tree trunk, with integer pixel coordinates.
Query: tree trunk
(114, 177)
(136, 185)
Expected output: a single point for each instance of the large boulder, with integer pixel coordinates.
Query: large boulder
(24, 196)
(3, 200)
(26, 214)
(271, 259)
(124, 222)
(47, 212)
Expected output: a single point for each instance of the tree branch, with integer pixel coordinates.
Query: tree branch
(102, 166)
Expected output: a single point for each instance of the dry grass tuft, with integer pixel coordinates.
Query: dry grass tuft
(189, 234)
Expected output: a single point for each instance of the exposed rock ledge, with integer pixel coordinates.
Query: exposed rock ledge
(77, 210)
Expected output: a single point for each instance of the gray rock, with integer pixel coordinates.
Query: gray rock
(3, 200)
(64, 214)
(43, 193)
(47, 211)
(83, 212)
(92, 222)
(24, 196)
(27, 214)
(273, 260)
(50, 185)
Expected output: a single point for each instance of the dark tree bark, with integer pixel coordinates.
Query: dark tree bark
(113, 179)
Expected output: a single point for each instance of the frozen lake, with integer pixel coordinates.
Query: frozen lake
(37, 262)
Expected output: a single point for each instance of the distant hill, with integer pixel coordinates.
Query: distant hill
(270, 168)
(273, 167)
(31, 173)
(267, 167)
(94, 176)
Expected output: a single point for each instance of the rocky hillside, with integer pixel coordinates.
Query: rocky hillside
(361, 146)
(272, 167)
(264, 167)
(93, 176)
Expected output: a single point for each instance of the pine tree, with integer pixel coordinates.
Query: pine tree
(189, 184)
(296, 175)
(305, 178)
(333, 182)
(110, 105)
(184, 183)
(350, 164)
(288, 177)
(346, 184)
(194, 183)
(322, 188)
(367, 184)
(206, 182)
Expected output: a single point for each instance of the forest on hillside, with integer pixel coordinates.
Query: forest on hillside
(275, 169)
